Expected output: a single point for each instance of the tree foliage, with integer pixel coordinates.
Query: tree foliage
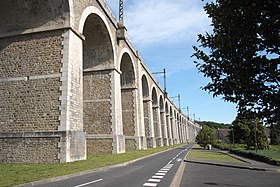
(275, 134)
(214, 125)
(205, 136)
(241, 56)
(246, 130)
(240, 131)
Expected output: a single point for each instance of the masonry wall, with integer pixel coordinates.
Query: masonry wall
(28, 150)
(29, 99)
(97, 109)
(128, 117)
(156, 126)
(128, 112)
(18, 16)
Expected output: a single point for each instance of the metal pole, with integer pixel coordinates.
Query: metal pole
(121, 9)
(179, 98)
(233, 134)
(256, 140)
(164, 72)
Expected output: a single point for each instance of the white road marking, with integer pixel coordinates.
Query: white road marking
(154, 180)
(165, 169)
(89, 183)
(157, 177)
(160, 173)
(150, 184)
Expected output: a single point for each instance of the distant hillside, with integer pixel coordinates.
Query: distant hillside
(214, 125)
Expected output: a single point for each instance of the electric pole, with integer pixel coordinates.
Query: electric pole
(164, 77)
(121, 9)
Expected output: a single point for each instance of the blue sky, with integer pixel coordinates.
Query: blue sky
(164, 32)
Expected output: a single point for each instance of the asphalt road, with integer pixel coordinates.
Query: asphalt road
(208, 175)
(157, 170)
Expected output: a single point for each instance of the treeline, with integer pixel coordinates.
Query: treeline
(214, 125)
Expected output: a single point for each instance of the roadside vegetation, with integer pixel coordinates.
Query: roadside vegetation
(270, 155)
(198, 153)
(242, 63)
(13, 174)
(247, 137)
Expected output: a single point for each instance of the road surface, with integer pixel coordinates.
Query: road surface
(209, 175)
(158, 170)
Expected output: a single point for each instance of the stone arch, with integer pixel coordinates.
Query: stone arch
(127, 71)
(155, 97)
(156, 117)
(147, 106)
(128, 97)
(179, 127)
(172, 125)
(145, 87)
(161, 103)
(95, 11)
(168, 124)
(98, 57)
(98, 52)
(163, 120)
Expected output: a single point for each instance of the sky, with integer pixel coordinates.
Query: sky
(164, 32)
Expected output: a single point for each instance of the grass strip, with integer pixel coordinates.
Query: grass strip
(270, 156)
(210, 155)
(13, 174)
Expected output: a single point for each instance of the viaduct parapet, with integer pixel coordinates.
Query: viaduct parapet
(71, 83)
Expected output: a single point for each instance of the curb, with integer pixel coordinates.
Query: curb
(60, 178)
(231, 165)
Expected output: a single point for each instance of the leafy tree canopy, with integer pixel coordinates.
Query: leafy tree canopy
(214, 125)
(205, 136)
(241, 55)
(248, 130)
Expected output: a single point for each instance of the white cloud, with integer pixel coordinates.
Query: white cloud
(156, 21)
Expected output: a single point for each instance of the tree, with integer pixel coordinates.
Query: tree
(275, 135)
(261, 137)
(214, 125)
(247, 130)
(241, 56)
(205, 136)
(240, 130)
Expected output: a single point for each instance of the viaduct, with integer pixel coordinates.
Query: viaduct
(71, 82)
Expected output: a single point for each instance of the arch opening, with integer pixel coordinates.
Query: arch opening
(97, 46)
(128, 97)
(156, 117)
(98, 55)
(146, 110)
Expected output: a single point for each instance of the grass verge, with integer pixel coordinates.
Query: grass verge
(270, 156)
(211, 156)
(13, 174)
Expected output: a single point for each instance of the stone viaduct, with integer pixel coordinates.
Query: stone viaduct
(71, 82)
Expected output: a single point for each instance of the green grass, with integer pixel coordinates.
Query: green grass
(271, 155)
(211, 156)
(13, 174)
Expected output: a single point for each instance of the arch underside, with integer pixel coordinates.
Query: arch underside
(128, 97)
(97, 56)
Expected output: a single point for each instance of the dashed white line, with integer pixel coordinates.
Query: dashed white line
(165, 169)
(150, 184)
(160, 173)
(154, 180)
(157, 177)
(89, 183)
